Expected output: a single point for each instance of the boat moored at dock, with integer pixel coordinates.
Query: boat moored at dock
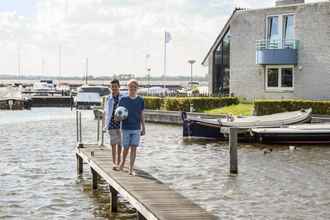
(318, 133)
(211, 128)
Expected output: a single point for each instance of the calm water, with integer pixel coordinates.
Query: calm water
(38, 173)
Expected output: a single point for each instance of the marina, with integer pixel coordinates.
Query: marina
(39, 175)
(165, 110)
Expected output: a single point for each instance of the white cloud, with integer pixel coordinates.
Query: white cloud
(114, 34)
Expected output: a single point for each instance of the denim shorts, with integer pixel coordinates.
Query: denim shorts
(130, 137)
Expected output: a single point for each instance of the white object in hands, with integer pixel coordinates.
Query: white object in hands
(121, 113)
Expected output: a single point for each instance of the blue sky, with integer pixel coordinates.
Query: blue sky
(114, 34)
(22, 7)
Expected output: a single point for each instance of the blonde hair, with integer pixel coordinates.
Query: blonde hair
(133, 81)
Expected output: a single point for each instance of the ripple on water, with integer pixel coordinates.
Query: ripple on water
(38, 173)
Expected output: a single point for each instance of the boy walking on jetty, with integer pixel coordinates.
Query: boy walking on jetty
(132, 127)
(112, 125)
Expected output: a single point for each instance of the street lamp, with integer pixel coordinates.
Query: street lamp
(147, 66)
(191, 70)
(149, 70)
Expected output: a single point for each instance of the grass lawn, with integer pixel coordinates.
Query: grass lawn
(240, 109)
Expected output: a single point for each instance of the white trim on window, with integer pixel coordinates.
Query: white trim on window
(280, 24)
(279, 88)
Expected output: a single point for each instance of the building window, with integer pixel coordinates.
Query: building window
(221, 69)
(288, 28)
(280, 31)
(273, 29)
(279, 78)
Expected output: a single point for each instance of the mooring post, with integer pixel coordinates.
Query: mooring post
(233, 132)
(77, 125)
(114, 199)
(80, 129)
(79, 165)
(140, 216)
(94, 179)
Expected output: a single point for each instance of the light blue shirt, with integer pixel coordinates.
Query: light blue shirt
(108, 109)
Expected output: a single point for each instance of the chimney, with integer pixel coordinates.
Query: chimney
(288, 2)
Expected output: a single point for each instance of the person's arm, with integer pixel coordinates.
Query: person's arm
(143, 127)
(106, 114)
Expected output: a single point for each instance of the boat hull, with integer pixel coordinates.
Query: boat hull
(212, 128)
(294, 138)
(194, 129)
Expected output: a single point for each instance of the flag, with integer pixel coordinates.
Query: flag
(168, 37)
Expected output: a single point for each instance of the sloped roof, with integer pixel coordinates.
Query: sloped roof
(220, 36)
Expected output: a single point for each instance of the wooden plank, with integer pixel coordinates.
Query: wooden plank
(151, 198)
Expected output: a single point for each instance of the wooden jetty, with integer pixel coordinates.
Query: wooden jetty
(151, 198)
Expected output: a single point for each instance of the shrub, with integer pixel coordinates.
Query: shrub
(266, 107)
(153, 103)
(199, 103)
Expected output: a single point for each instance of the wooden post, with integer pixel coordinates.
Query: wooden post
(233, 150)
(98, 130)
(79, 165)
(94, 179)
(80, 129)
(114, 199)
(77, 126)
(140, 216)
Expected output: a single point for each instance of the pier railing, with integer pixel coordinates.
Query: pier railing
(100, 128)
(276, 44)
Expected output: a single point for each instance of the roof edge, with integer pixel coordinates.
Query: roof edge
(223, 31)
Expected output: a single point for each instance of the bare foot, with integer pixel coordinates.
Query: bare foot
(132, 173)
(115, 167)
(121, 167)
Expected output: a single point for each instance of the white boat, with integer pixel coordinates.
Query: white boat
(211, 128)
(295, 134)
(273, 120)
(44, 87)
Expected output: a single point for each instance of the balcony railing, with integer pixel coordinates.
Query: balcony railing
(277, 44)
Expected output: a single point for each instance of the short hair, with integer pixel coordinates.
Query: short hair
(133, 81)
(115, 81)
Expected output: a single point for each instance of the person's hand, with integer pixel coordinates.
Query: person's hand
(143, 131)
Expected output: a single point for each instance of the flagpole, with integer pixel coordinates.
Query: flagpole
(164, 62)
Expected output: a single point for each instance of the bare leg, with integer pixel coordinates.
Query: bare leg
(125, 152)
(118, 155)
(114, 146)
(132, 159)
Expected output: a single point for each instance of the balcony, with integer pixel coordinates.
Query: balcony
(277, 52)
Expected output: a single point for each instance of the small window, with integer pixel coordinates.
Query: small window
(287, 77)
(279, 78)
(272, 77)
